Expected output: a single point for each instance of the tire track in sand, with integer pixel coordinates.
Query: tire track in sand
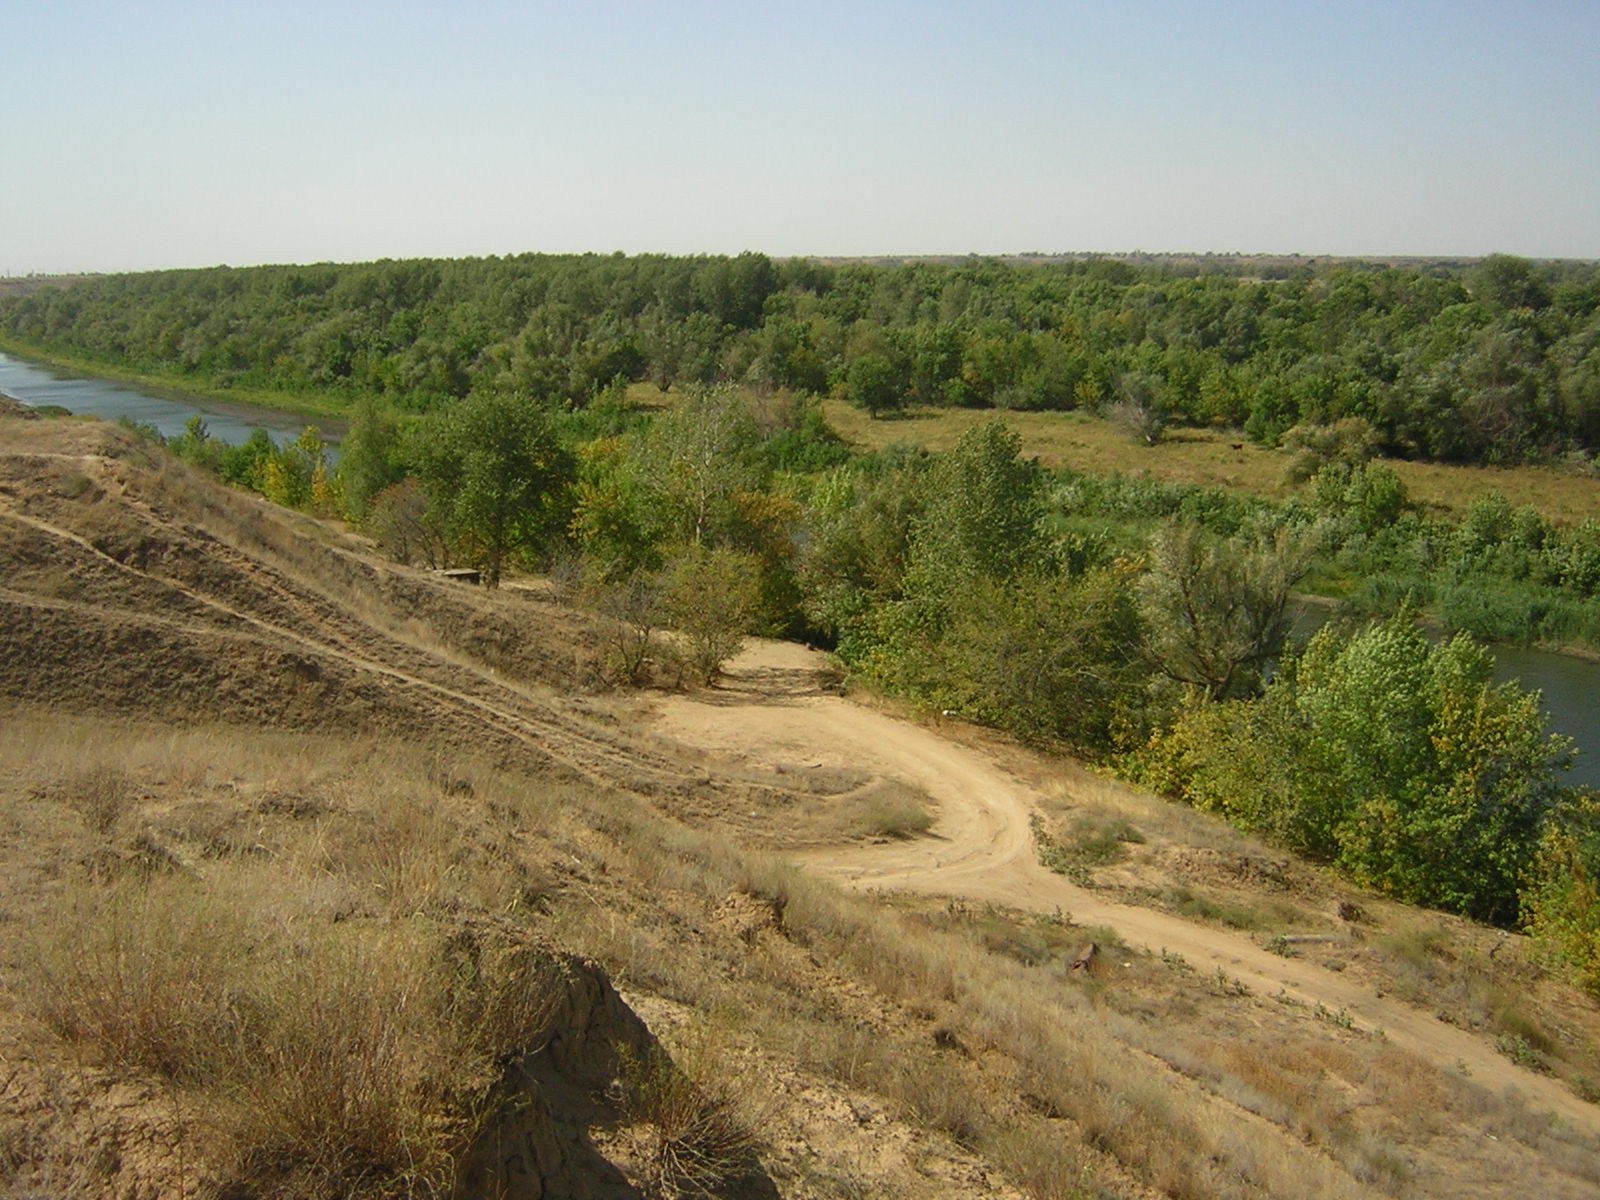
(982, 848)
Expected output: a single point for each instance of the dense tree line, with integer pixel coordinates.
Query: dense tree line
(1495, 361)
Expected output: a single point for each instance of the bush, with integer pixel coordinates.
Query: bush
(1396, 759)
(1561, 904)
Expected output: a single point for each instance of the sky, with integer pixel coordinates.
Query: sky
(144, 135)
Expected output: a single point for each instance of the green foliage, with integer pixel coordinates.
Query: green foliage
(1214, 613)
(856, 539)
(710, 598)
(1140, 409)
(371, 457)
(982, 514)
(1398, 760)
(195, 444)
(1494, 362)
(1351, 442)
(295, 475)
(1359, 498)
(693, 463)
(493, 466)
(1048, 658)
(1561, 904)
(875, 383)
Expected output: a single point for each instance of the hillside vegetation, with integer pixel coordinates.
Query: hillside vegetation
(324, 876)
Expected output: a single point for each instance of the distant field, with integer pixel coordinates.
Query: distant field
(1209, 458)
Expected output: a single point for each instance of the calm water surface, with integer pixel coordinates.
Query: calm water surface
(37, 386)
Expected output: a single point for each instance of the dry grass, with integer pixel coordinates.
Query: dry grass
(690, 1133)
(964, 1022)
(889, 809)
(1207, 458)
(341, 1059)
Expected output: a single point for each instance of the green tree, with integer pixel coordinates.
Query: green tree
(1445, 781)
(1561, 904)
(287, 476)
(982, 514)
(1047, 658)
(856, 538)
(1140, 409)
(494, 466)
(1399, 760)
(371, 457)
(875, 383)
(1215, 612)
(693, 463)
(710, 597)
(195, 444)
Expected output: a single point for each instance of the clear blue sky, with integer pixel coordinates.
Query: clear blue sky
(145, 135)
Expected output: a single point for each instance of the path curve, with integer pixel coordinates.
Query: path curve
(982, 849)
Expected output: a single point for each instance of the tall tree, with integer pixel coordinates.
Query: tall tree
(695, 461)
(983, 510)
(370, 457)
(495, 467)
(1215, 612)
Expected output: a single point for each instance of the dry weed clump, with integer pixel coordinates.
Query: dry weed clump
(893, 810)
(103, 795)
(690, 1135)
(336, 1058)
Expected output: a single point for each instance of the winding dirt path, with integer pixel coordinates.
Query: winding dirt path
(982, 849)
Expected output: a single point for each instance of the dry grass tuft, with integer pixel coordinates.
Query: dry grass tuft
(689, 1132)
(342, 1058)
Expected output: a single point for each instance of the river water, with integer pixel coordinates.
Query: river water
(38, 386)
(1571, 687)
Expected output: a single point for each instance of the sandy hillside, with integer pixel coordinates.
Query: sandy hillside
(240, 713)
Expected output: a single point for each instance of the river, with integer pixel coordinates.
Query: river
(1570, 686)
(38, 386)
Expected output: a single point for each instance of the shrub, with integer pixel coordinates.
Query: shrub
(1397, 759)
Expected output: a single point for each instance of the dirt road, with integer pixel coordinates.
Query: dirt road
(982, 848)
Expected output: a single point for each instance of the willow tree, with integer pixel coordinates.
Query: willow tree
(1215, 612)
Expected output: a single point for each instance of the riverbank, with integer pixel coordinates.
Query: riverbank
(47, 389)
(236, 400)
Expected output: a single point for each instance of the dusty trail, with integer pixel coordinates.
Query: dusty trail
(517, 711)
(982, 849)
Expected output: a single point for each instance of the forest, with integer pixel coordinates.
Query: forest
(1140, 625)
(1492, 361)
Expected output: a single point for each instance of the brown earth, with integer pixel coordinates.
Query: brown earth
(270, 697)
(983, 849)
